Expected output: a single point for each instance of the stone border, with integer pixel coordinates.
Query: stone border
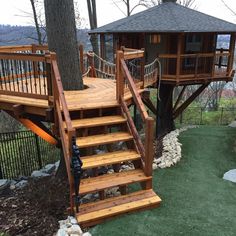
(171, 153)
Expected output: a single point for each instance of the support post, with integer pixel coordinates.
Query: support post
(178, 60)
(81, 58)
(164, 118)
(149, 151)
(179, 97)
(231, 51)
(180, 109)
(119, 76)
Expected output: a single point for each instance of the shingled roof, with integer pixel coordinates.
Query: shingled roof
(167, 17)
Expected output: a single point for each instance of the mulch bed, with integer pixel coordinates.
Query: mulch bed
(35, 209)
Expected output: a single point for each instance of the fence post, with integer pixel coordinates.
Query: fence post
(81, 58)
(38, 151)
(201, 116)
(1, 174)
(221, 115)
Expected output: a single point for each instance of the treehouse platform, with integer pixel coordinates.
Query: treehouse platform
(103, 152)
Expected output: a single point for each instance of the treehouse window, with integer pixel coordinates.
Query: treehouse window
(193, 45)
(155, 38)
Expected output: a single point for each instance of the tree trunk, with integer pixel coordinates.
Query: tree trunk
(61, 33)
(92, 12)
(164, 118)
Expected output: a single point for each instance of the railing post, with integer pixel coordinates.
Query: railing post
(231, 53)
(119, 76)
(91, 63)
(81, 58)
(142, 68)
(149, 151)
(178, 60)
(196, 65)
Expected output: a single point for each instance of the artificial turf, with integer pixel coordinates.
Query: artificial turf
(196, 200)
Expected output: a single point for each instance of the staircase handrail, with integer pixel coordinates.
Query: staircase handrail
(122, 75)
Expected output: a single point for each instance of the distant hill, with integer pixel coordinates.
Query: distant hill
(22, 35)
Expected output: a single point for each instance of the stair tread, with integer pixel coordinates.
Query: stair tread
(109, 158)
(100, 139)
(97, 121)
(95, 212)
(102, 182)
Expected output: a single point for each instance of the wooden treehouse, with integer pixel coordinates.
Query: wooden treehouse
(98, 117)
(186, 42)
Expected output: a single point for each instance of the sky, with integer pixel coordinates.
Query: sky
(13, 12)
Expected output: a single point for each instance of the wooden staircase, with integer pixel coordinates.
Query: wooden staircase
(105, 129)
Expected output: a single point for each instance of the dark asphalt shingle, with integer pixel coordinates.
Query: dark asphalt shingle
(168, 17)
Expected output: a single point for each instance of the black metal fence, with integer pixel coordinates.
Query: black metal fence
(22, 152)
(202, 116)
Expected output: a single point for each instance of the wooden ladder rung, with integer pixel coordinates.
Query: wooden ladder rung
(95, 184)
(109, 158)
(96, 212)
(100, 139)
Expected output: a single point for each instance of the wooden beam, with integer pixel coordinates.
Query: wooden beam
(179, 97)
(18, 110)
(180, 109)
(231, 56)
(178, 61)
(102, 46)
(81, 58)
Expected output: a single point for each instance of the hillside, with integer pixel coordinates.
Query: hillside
(20, 35)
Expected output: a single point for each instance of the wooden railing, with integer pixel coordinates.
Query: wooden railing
(33, 48)
(24, 74)
(198, 65)
(122, 76)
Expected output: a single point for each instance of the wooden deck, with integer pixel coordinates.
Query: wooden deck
(98, 93)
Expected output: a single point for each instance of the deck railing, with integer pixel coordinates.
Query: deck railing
(195, 66)
(123, 77)
(24, 74)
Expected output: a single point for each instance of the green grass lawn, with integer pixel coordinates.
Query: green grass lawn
(196, 200)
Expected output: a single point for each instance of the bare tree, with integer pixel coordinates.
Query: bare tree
(148, 3)
(92, 12)
(36, 22)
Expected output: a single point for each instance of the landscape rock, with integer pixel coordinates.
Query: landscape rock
(69, 227)
(230, 175)
(38, 174)
(232, 124)
(4, 184)
(57, 165)
(48, 169)
(171, 153)
(87, 234)
(21, 184)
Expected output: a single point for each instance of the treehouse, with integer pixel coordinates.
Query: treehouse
(186, 42)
